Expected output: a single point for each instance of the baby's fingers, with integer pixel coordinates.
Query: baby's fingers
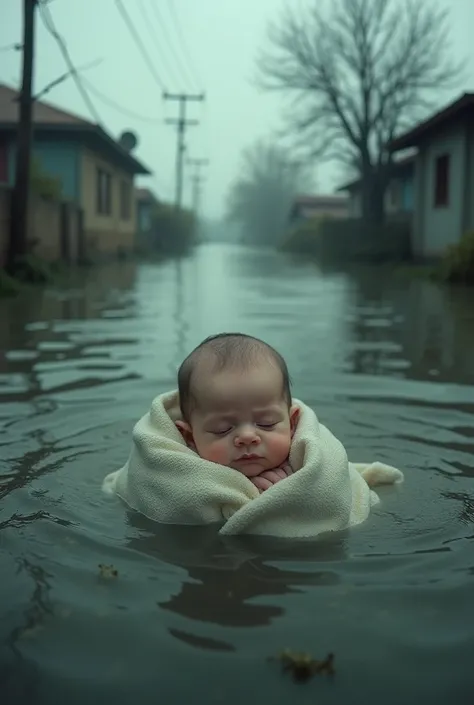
(261, 483)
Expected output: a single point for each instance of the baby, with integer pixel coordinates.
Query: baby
(236, 406)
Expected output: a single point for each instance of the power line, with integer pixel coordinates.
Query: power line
(161, 23)
(8, 47)
(179, 31)
(50, 26)
(164, 59)
(63, 78)
(139, 43)
(112, 103)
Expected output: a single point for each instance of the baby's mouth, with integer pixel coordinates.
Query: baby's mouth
(250, 456)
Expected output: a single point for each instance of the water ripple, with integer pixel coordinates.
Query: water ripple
(387, 364)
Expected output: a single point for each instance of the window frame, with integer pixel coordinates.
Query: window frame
(442, 172)
(103, 192)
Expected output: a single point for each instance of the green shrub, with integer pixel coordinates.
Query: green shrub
(31, 269)
(9, 286)
(303, 238)
(457, 264)
(173, 231)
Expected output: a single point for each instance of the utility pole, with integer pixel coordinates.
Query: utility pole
(197, 179)
(17, 246)
(182, 123)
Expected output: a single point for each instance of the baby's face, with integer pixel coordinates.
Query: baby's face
(241, 419)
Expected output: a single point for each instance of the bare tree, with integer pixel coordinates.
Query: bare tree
(260, 198)
(359, 74)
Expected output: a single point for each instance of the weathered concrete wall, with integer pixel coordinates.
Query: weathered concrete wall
(106, 233)
(469, 184)
(5, 200)
(44, 228)
(440, 226)
(54, 229)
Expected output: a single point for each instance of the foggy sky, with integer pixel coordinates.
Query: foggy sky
(223, 37)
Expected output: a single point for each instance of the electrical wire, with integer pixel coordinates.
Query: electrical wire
(48, 22)
(139, 43)
(112, 103)
(8, 47)
(63, 78)
(181, 35)
(178, 59)
(164, 59)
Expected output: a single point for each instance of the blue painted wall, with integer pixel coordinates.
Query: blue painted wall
(59, 159)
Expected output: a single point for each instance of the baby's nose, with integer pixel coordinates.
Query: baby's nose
(246, 436)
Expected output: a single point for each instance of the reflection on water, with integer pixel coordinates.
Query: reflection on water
(224, 574)
(430, 330)
(387, 363)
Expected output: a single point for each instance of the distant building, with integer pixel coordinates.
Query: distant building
(324, 206)
(444, 176)
(94, 170)
(145, 202)
(399, 199)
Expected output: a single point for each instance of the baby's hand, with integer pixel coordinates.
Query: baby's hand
(270, 477)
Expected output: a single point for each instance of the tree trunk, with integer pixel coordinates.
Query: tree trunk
(373, 197)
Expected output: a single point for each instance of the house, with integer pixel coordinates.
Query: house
(444, 176)
(399, 194)
(94, 170)
(310, 207)
(146, 201)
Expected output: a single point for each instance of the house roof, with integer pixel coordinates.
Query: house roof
(54, 122)
(399, 166)
(461, 106)
(145, 195)
(322, 201)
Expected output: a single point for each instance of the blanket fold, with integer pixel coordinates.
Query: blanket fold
(169, 483)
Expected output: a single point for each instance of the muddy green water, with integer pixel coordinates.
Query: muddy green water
(388, 365)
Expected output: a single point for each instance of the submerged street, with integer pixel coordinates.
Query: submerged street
(387, 364)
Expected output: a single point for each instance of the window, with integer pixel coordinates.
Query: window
(104, 192)
(441, 192)
(125, 200)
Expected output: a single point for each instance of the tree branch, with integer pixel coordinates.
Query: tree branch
(358, 73)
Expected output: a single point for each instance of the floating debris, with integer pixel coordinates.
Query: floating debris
(304, 666)
(107, 572)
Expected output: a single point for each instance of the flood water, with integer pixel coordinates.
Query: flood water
(388, 365)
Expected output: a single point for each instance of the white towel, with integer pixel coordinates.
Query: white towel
(169, 483)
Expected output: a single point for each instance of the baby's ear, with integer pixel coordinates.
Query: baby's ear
(185, 429)
(294, 418)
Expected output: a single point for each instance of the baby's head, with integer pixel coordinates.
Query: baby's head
(235, 403)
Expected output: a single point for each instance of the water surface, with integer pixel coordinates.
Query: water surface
(388, 365)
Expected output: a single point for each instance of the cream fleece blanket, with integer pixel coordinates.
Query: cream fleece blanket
(169, 483)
